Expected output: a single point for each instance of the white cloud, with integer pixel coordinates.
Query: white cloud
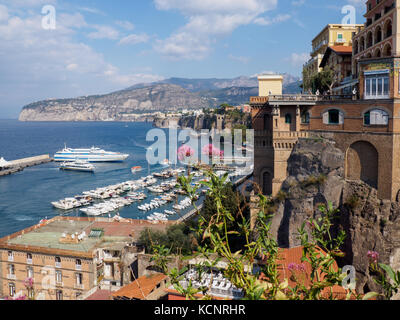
(38, 64)
(207, 21)
(264, 21)
(298, 3)
(135, 39)
(3, 13)
(298, 59)
(126, 25)
(104, 32)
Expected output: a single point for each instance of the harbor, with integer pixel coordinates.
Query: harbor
(11, 167)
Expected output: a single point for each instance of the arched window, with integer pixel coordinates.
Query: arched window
(387, 50)
(378, 34)
(376, 117)
(288, 118)
(333, 116)
(355, 46)
(369, 39)
(388, 29)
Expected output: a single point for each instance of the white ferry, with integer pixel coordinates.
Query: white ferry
(77, 165)
(91, 155)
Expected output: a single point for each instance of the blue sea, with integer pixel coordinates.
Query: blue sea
(25, 197)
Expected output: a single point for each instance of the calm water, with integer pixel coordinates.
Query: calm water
(25, 197)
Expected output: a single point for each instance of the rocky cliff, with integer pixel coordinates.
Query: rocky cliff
(316, 175)
(119, 106)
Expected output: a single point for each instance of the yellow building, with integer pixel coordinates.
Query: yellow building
(270, 84)
(331, 35)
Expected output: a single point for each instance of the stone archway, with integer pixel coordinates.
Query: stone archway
(362, 161)
(266, 183)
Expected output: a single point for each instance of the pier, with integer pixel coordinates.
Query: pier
(20, 164)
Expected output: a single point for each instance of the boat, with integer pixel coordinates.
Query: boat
(91, 155)
(77, 165)
(166, 163)
(136, 169)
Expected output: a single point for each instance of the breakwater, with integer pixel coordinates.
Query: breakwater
(20, 164)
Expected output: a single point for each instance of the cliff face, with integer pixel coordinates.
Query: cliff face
(120, 105)
(316, 175)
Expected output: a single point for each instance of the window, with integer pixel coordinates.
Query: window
(288, 118)
(29, 258)
(377, 85)
(59, 295)
(10, 256)
(58, 276)
(58, 262)
(376, 117)
(340, 37)
(30, 272)
(333, 116)
(11, 289)
(78, 264)
(11, 269)
(305, 117)
(79, 279)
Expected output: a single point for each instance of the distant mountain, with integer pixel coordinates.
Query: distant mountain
(168, 95)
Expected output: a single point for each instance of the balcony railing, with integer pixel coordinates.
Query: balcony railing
(79, 286)
(29, 261)
(10, 258)
(11, 277)
(78, 267)
(255, 100)
(293, 97)
(58, 264)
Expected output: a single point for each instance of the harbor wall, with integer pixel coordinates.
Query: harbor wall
(20, 164)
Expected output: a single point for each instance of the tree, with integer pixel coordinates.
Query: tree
(323, 81)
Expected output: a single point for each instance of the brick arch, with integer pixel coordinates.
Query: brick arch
(362, 160)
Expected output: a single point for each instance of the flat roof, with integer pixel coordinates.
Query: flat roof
(45, 237)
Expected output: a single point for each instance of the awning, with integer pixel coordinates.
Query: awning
(373, 72)
(346, 85)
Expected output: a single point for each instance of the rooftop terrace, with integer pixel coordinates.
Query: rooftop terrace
(46, 237)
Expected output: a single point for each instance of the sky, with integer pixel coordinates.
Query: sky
(65, 49)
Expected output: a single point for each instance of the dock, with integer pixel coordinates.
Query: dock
(21, 164)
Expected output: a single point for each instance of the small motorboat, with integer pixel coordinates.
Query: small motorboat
(136, 169)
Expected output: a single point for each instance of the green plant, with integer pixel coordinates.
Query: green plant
(320, 249)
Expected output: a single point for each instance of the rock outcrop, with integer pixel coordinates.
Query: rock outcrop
(118, 106)
(316, 176)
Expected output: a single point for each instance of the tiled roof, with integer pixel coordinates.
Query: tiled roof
(342, 49)
(100, 295)
(140, 288)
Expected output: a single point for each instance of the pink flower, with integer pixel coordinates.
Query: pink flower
(185, 152)
(210, 150)
(294, 266)
(28, 283)
(373, 256)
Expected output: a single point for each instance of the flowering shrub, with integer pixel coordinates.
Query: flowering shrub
(211, 151)
(264, 283)
(185, 152)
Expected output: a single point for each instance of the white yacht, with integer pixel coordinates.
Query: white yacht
(91, 155)
(77, 165)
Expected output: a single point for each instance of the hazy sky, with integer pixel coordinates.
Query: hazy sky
(101, 46)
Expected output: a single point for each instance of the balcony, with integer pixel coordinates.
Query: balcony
(11, 277)
(29, 261)
(78, 267)
(11, 258)
(58, 264)
(79, 286)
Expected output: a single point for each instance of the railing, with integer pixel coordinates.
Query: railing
(79, 286)
(78, 267)
(259, 99)
(58, 264)
(336, 97)
(11, 277)
(29, 261)
(293, 97)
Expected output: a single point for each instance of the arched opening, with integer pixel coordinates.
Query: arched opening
(369, 39)
(355, 46)
(305, 117)
(377, 53)
(378, 35)
(267, 183)
(362, 44)
(368, 55)
(362, 163)
(388, 29)
(288, 118)
(387, 50)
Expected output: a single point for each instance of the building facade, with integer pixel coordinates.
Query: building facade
(331, 35)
